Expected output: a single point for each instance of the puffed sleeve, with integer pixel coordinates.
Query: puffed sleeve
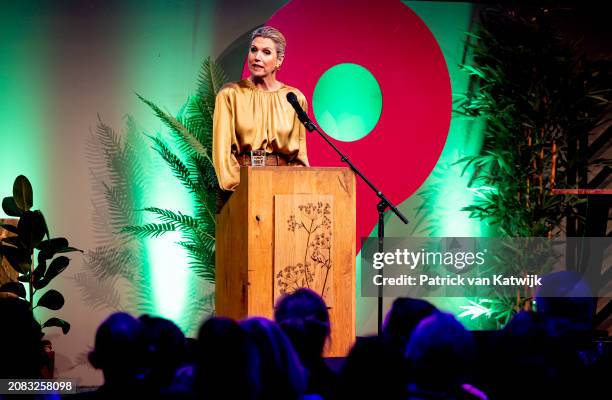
(302, 156)
(226, 165)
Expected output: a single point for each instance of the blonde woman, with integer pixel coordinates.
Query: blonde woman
(254, 114)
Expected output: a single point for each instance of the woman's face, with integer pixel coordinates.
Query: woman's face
(263, 60)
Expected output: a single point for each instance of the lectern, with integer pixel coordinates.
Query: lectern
(285, 228)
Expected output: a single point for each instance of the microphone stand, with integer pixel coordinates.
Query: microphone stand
(381, 207)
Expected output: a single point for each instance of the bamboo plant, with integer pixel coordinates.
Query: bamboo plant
(536, 93)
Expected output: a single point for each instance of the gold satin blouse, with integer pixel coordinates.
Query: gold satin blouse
(247, 118)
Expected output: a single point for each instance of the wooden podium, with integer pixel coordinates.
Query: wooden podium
(284, 228)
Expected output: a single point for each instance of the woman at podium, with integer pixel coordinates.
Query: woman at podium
(253, 123)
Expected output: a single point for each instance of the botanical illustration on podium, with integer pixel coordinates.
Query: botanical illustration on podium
(303, 244)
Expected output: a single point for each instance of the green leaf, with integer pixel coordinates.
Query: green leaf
(98, 293)
(49, 248)
(10, 207)
(68, 250)
(22, 193)
(32, 228)
(179, 220)
(181, 171)
(42, 278)
(109, 261)
(149, 230)
(39, 273)
(45, 227)
(10, 228)
(60, 323)
(57, 267)
(52, 299)
(51, 245)
(176, 126)
(16, 288)
(210, 79)
(41, 283)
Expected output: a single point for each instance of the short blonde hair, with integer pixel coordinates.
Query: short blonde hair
(267, 32)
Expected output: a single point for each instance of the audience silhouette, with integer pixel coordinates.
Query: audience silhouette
(282, 374)
(228, 364)
(166, 352)
(441, 351)
(120, 353)
(422, 353)
(304, 318)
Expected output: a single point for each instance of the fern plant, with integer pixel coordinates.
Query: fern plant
(117, 177)
(192, 165)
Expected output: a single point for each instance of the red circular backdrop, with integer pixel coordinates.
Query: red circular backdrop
(394, 44)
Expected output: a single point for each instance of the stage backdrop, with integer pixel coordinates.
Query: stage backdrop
(378, 77)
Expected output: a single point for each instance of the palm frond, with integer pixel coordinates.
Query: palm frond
(182, 172)
(150, 230)
(120, 206)
(138, 178)
(178, 167)
(140, 297)
(106, 262)
(175, 125)
(210, 80)
(117, 176)
(198, 124)
(107, 138)
(201, 119)
(199, 307)
(98, 293)
(199, 249)
(142, 305)
(189, 224)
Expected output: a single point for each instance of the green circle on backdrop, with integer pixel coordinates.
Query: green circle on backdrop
(347, 102)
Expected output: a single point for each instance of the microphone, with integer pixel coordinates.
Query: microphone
(292, 99)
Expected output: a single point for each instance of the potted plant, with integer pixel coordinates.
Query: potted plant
(33, 253)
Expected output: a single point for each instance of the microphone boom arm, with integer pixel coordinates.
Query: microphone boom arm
(381, 207)
(310, 126)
